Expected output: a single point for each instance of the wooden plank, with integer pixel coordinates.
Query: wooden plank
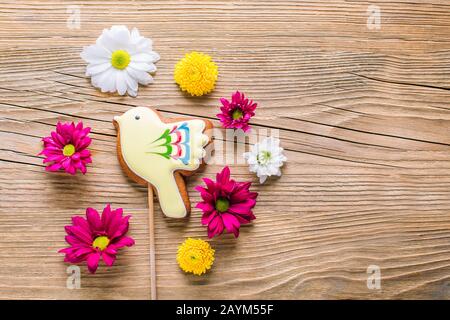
(364, 116)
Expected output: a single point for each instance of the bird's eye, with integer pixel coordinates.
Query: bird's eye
(137, 117)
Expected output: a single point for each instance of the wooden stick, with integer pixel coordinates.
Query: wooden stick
(151, 229)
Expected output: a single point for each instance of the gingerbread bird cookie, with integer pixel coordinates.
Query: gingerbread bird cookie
(158, 151)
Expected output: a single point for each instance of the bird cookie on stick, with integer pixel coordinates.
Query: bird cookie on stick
(158, 152)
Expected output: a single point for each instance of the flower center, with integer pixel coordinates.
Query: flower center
(100, 242)
(263, 157)
(195, 258)
(222, 204)
(195, 74)
(120, 59)
(69, 149)
(237, 114)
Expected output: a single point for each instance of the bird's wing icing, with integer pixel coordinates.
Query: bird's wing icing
(182, 142)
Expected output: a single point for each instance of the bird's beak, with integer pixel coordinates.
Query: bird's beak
(116, 121)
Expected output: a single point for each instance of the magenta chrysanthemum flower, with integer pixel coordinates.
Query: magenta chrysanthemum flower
(65, 148)
(97, 237)
(226, 204)
(237, 112)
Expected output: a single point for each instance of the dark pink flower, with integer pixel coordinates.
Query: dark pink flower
(96, 237)
(65, 148)
(237, 112)
(226, 204)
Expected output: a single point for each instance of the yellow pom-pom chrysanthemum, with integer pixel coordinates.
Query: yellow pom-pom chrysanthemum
(195, 255)
(196, 73)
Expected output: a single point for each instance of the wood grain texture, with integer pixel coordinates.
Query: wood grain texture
(364, 116)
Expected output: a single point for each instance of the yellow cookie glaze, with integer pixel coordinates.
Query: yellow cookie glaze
(145, 143)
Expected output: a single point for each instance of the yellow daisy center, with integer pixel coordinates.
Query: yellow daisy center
(100, 242)
(196, 73)
(222, 204)
(69, 149)
(120, 59)
(195, 256)
(237, 114)
(263, 157)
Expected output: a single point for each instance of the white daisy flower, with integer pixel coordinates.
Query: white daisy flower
(119, 60)
(265, 158)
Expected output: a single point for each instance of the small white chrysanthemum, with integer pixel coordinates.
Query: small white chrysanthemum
(119, 60)
(265, 158)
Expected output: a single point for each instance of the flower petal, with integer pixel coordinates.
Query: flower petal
(92, 262)
(53, 167)
(95, 54)
(106, 216)
(215, 227)
(117, 224)
(208, 216)
(131, 82)
(93, 69)
(108, 258)
(122, 242)
(81, 222)
(121, 85)
(142, 66)
(73, 241)
(242, 207)
(231, 223)
(205, 206)
(205, 194)
(80, 233)
(106, 81)
(146, 57)
(140, 76)
(224, 176)
(93, 219)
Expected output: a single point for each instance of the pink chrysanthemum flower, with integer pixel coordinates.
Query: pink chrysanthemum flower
(97, 237)
(237, 112)
(226, 204)
(65, 148)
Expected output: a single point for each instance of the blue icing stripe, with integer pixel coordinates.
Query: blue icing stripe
(186, 142)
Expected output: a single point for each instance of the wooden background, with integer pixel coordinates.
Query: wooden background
(364, 116)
